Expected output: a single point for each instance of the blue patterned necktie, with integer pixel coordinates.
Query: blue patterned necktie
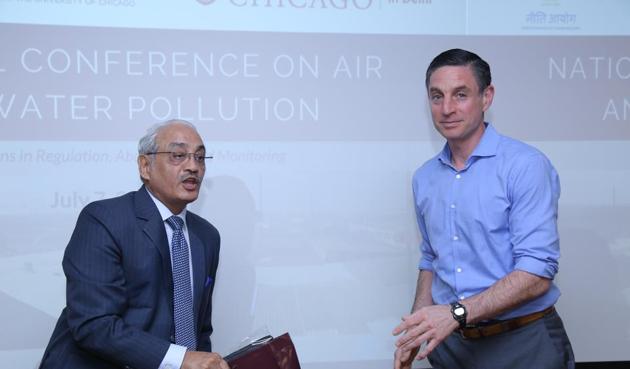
(182, 291)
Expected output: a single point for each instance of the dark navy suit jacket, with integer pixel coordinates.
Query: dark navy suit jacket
(119, 291)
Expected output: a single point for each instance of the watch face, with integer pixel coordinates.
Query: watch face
(459, 311)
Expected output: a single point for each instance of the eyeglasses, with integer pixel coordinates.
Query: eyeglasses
(178, 157)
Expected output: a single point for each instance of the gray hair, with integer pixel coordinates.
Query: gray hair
(148, 142)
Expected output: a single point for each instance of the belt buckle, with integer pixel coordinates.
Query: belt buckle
(461, 333)
(470, 328)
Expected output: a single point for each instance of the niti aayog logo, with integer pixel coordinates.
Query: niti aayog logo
(540, 20)
(300, 4)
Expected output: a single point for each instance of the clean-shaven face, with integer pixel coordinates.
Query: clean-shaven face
(457, 105)
(175, 184)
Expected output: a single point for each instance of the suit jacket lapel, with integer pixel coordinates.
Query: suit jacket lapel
(198, 255)
(153, 227)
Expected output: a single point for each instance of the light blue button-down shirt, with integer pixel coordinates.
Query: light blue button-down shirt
(496, 215)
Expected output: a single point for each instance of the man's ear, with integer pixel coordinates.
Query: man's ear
(488, 96)
(143, 168)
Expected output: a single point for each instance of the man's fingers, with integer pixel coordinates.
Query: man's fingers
(418, 341)
(397, 359)
(398, 330)
(431, 344)
(404, 355)
(404, 325)
(404, 359)
(216, 356)
(411, 334)
(400, 357)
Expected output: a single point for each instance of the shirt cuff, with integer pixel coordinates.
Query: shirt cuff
(174, 357)
(537, 267)
(425, 265)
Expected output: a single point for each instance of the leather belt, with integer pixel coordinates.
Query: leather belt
(487, 330)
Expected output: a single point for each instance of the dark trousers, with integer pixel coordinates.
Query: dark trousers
(542, 344)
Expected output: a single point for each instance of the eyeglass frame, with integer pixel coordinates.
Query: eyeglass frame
(198, 158)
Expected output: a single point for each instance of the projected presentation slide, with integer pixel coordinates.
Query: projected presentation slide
(316, 115)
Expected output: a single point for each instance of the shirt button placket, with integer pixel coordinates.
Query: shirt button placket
(455, 237)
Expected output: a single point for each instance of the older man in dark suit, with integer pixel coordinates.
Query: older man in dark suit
(140, 269)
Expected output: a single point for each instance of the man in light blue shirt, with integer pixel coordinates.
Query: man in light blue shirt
(487, 208)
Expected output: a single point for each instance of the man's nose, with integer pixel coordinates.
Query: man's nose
(448, 107)
(191, 164)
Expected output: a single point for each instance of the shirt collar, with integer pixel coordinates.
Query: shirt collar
(165, 213)
(487, 146)
(489, 142)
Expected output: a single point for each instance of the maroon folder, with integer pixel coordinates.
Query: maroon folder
(266, 353)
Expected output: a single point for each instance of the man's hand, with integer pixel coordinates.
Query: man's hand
(203, 360)
(430, 324)
(403, 360)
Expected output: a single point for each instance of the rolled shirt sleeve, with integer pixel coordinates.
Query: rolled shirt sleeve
(534, 194)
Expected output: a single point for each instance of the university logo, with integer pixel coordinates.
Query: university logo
(305, 4)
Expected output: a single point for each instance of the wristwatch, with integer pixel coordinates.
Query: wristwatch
(459, 313)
